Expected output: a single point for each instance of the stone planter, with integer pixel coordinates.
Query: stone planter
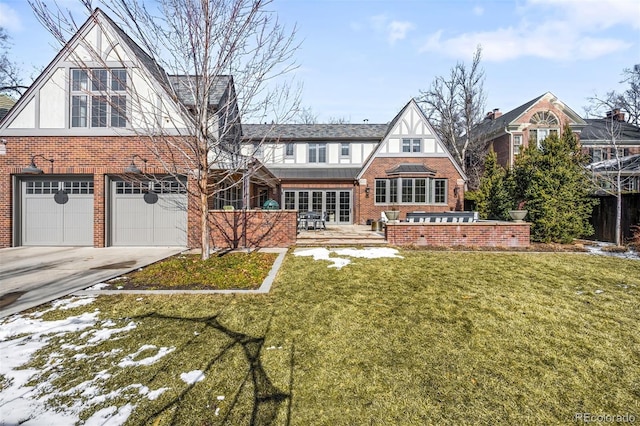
(392, 215)
(518, 215)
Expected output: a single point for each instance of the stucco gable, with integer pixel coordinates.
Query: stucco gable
(99, 42)
(410, 123)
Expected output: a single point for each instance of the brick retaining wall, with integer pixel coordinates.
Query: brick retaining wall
(477, 234)
(264, 228)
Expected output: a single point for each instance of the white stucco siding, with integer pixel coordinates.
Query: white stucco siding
(27, 117)
(333, 153)
(116, 54)
(53, 101)
(393, 146)
(429, 146)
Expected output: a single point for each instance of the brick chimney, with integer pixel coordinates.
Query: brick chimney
(615, 114)
(492, 115)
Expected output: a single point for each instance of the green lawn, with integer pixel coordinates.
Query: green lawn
(431, 338)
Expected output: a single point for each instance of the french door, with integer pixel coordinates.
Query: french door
(336, 203)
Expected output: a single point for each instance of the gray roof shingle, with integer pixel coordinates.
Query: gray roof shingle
(307, 173)
(599, 129)
(313, 131)
(180, 84)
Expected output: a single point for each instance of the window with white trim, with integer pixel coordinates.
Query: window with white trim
(412, 191)
(317, 153)
(545, 124)
(517, 144)
(344, 149)
(411, 145)
(288, 149)
(98, 97)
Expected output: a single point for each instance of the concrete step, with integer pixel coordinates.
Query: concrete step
(315, 242)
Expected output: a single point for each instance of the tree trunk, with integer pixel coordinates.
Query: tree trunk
(204, 219)
(618, 238)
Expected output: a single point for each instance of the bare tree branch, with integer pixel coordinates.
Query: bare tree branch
(199, 67)
(454, 105)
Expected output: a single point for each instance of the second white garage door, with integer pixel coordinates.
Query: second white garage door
(149, 213)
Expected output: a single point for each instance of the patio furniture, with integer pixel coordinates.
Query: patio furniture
(308, 220)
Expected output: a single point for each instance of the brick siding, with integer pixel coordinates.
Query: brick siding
(478, 234)
(264, 228)
(366, 207)
(96, 157)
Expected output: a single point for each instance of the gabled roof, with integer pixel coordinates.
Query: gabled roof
(411, 104)
(292, 132)
(98, 17)
(490, 128)
(600, 129)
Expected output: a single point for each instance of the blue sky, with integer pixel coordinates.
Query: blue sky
(364, 59)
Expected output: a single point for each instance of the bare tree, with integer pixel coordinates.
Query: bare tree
(454, 105)
(630, 98)
(306, 116)
(609, 175)
(212, 63)
(10, 82)
(338, 120)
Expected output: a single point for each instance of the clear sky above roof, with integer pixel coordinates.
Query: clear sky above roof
(364, 59)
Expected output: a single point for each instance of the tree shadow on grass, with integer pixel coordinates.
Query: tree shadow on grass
(267, 398)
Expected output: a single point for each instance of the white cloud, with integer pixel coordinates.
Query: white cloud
(398, 30)
(478, 10)
(393, 30)
(9, 18)
(571, 30)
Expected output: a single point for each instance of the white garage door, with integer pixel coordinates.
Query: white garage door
(57, 212)
(149, 213)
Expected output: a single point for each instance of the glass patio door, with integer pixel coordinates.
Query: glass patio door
(337, 204)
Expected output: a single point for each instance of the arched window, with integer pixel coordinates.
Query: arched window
(544, 124)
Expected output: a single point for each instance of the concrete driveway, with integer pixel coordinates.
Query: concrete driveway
(31, 276)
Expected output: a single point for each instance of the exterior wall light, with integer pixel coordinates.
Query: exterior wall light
(133, 169)
(32, 169)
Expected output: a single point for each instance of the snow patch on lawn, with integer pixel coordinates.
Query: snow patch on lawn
(340, 262)
(192, 377)
(128, 361)
(22, 336)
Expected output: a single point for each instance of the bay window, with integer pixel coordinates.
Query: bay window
(412, 191)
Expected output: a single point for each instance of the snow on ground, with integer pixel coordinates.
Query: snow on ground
(192, 377)
(599, 248)
(340, 262)
(21, 336)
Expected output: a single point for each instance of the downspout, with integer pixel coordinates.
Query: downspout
(511, 159)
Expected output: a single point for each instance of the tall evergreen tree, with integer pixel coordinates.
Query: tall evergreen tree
(553, 182)
(493, 196)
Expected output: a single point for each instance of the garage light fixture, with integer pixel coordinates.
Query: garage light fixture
(132, 168)
(32, 169)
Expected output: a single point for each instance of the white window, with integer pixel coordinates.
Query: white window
(98, 98)
(411, 145)
(317, 153)
(517, 144)
(544, 124)
(288, 149)
(412, 191)
(344, 149)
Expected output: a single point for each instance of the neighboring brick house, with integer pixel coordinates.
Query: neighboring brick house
(509, 133)
(353, 172)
